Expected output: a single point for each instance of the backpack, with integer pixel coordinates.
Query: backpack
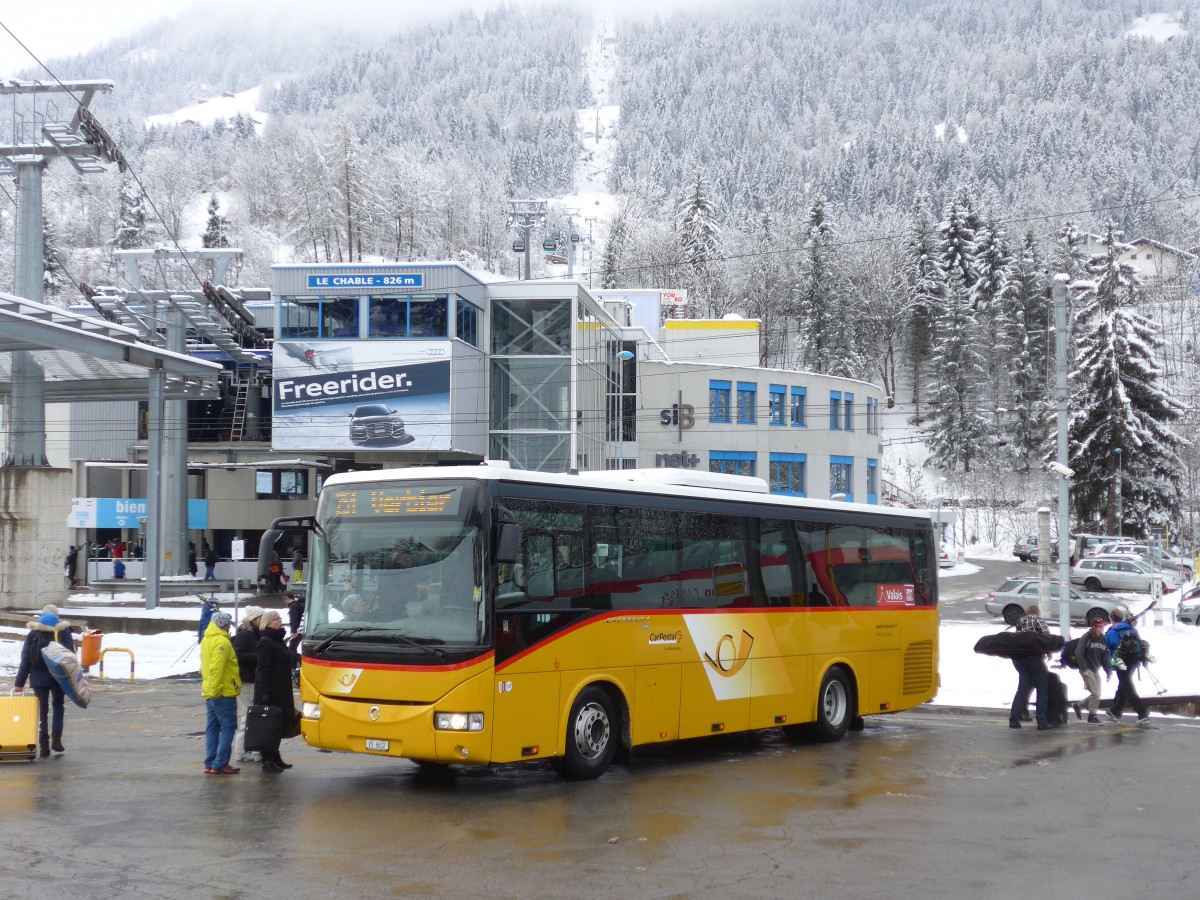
(1070, 653)
(1132, 649)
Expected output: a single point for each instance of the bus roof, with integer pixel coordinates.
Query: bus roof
(661, 482)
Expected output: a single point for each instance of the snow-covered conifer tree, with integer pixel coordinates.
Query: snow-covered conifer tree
(814, 296)
(925, 282)
(957, 430)
(131, 217)
(700, 243)
(1023, 345)
(1119, 402)
(215, 233)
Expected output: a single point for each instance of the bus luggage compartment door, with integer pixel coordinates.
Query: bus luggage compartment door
(525, 720)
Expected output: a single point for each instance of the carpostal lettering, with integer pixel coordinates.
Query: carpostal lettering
(367, 383)
(670, 637)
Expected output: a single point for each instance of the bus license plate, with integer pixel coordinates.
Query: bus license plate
(374, 744)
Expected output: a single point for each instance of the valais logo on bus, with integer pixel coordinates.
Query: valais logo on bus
(895, 595)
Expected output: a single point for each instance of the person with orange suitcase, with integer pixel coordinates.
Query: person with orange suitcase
(46, 629)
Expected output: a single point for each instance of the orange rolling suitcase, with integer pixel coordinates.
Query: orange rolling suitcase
(18, 727)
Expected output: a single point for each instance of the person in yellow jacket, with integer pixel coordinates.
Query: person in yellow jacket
(220, 684)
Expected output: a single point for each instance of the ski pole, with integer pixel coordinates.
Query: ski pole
(186, 653)
(1157, 684)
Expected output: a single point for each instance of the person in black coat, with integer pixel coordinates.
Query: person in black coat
(48, 627)
(273, 681)
(71, 565)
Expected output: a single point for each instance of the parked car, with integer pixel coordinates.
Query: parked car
(947, 558)
(1152, 556)
(1189, 607)
(1012, 598)
(1116, 573)
(1026, 548)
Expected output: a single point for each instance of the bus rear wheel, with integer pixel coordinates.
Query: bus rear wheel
(835, 707)
(591, 735)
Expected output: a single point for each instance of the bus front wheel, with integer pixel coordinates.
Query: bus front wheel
(591, 735)
(834, 706)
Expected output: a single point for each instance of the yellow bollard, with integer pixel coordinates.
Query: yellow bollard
(116, 650)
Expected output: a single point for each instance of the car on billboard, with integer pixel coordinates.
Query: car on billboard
(375, 422)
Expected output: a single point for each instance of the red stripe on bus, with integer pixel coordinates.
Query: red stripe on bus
(395, 667)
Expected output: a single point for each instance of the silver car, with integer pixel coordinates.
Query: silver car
(1015, 596)
(1118, 573)
(1189, 607)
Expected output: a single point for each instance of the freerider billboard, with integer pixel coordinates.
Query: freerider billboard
(361, 395)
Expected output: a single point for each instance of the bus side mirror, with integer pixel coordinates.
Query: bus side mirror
(266, 546)
(508, 537)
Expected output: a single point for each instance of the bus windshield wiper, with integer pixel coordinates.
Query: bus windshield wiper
(437, 652)
(349, 629)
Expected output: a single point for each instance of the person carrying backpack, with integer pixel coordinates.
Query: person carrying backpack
(1121, 639)
(1090, 656)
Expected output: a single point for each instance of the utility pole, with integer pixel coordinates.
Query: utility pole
(1058, 292)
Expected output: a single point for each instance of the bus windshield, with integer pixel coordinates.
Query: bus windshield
(397, 566)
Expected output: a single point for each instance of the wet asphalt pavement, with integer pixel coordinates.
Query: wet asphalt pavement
(921, 804)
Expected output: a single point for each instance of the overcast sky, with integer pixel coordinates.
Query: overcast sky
(59, 28)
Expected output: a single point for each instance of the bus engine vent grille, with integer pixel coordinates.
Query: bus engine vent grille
(918, 667)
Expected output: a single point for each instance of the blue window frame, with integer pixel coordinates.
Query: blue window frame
(848, 411)
(746, 393)
(732, 462)
(835, 410)
(841, 476)
(409, 316)
(787, 475)
(799, 416)
(872, 416)
(467, 322)
(718, 400)
(318, 318)
(872, 481)
(775, 404)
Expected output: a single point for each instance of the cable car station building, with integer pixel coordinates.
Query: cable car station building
(375, 366)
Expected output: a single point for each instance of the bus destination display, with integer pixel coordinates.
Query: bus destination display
(367, 503)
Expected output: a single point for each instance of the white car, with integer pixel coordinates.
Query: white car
(1119, 573)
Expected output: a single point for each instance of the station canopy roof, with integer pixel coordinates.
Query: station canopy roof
(88, 358)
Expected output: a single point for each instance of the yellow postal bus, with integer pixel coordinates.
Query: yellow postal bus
(480, 615)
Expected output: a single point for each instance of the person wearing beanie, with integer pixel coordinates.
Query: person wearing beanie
(245, 645)
(1126, 690)
(273, 681)
(220, 683)
(32, 668)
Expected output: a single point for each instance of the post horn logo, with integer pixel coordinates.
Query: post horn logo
(348, 678)
(729, 658)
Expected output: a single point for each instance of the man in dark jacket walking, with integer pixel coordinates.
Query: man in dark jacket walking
(1031, 674)
(210, 563)
(273, 681)
(71, 565)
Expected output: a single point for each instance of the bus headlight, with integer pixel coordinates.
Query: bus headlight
(448, 721)
(310, 710)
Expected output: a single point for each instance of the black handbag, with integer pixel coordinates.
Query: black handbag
(264, 728)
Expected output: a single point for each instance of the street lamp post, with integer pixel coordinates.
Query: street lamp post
(1120, 530)
(622, 357)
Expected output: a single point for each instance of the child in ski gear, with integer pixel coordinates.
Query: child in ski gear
(48, 627)
(219, 686)
(1031, 673)
(1126, 692)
